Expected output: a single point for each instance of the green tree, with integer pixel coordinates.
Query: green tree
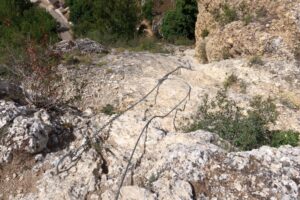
(180, 22)
(147, 10)
(102, 18)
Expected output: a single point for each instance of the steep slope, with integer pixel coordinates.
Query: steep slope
(167, 163)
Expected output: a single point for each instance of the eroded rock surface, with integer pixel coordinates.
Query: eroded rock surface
(82, 45)
(238, 28)
(167, 164)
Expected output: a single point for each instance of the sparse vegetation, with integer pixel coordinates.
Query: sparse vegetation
(108, 110)
(256, 60)
(74, 58)
(261, 12)
(247, 19)
(146, 44)
(245, 131)
(285, 138)
(21, 23)
(225, 53)
(204, 33)
(203, 54)
(226, 15)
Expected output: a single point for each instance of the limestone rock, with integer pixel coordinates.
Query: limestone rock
(30, 133)
(83, 45)
(8, 111)
(131, 193)
(247, 28)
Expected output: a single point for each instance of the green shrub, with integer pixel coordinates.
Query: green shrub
(183, 41)
(245, 131)
(203, 54)
(115, 19)
(230, 80)
(256, 60)
(21, 23)
(180, 22)
(145, 44)
(225, 53)
(147, 10)
(108, 110)
(284, 138)
(247, 19)
(204, 33)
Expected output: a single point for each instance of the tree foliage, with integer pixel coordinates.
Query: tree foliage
(147, 10)
(102, 18)
(180, 22)
(20, 20)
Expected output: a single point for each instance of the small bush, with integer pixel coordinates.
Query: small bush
(108, 110)
(204, 33)
(203, 54)
(284, 138)
(225, 53)
(245, 131)
(20, 23)
(107, 19)
(145, 44)
(183, 41)
(247, 19)
(230, 80)
(256, 60)
(261, 12)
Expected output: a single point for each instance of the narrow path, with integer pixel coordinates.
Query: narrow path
(65, 32)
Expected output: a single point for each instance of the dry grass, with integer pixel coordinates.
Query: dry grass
(17, 176)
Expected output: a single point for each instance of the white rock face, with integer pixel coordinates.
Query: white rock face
(19, 132)
(131, 193)
(31, 133)
(8, 111)
(83, 45)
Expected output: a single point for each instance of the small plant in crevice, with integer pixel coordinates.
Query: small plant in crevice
(204, 33)
(225, 15)
(247, 19)
(256, 60)
(203, 54)
(108, 110)
(289, 137)
(225, 53)
(244, 128)
(234, 80)
(230, 80)
(147, 10)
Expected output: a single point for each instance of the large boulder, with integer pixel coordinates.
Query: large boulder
(22, 129)
(237, 28)
(30, 133)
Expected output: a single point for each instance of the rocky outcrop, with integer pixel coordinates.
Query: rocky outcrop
(30, 133)
(22, 132)
(238, 28)
(84, 46)
(167, 163)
